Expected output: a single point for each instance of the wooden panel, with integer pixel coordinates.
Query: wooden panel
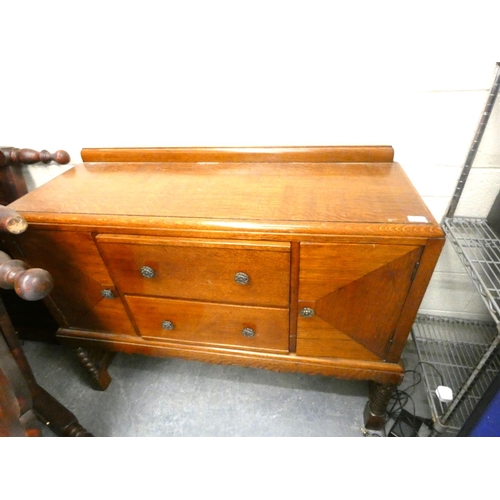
(317, 337)
(202, 243)
(327, 267)
(348, 232)
(366, 289)
(388, 373)
(200, 269)
(249, 154)
(419, 285)
(246, 196)
(79, 277)
(208, 323)
(368, 308)
(294, 294)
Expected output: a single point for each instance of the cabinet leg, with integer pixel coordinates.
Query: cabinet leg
(375, 414)
(96, 363)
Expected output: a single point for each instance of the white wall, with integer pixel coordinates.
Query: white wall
(451, 292)
(110, 74)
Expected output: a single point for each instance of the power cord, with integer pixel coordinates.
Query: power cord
(403, 410)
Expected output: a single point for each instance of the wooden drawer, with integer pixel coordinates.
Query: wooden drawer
(263, 328)
(199, 269)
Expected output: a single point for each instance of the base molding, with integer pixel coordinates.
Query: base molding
(380, 372)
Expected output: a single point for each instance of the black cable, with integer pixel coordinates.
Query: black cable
(400, 401)
(434, 368)
(402, 398)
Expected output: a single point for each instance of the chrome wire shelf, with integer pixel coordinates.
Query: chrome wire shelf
(464, 355)
(455, 353)
(478, 248)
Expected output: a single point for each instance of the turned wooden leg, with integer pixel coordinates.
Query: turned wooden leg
(96, 363)
(39, 403)
(56, 416)
(375, 414)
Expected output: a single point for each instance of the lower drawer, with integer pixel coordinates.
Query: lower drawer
(260, 328)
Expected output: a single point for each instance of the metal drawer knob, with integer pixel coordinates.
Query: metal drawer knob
(108, 294)
(248, 332)
(167, 325)
(148, 272)
(306, 312)
(241, 278)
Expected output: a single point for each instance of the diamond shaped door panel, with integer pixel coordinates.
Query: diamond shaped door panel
(83, 290)
(357, 292)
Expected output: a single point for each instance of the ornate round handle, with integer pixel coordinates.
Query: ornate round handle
(306, 312)
(248, 332)
(241, 278)
(108, 294)
(148, 272)
(167, 325)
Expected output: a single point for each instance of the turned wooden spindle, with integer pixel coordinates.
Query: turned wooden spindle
(11, 221)
(375, 416)
(29, 284)
(16, 156)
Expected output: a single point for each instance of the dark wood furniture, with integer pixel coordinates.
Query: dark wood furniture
(31, 320)
(23, 403)
(12, 183)
(308, 259)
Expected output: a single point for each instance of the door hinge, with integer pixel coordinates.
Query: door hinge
(415, 269)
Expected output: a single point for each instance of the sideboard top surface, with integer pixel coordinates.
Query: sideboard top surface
(288, 193)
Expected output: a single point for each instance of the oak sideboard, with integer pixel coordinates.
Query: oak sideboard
(303, 259)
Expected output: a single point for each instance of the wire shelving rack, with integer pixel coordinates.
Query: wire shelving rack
(461, 354)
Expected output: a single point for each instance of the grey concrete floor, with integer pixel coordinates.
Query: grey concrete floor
(172, 397)
(164, 397)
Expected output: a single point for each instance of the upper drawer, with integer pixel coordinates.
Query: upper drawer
(256, 273)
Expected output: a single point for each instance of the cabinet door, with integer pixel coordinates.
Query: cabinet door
(80, 277)
(356, 294)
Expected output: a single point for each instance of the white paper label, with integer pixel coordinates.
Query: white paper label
(417, 218)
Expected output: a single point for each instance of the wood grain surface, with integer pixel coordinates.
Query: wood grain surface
(340, 230)
(390, 373)
(200, 269)
(244, 154)
(79, 276)
(357, 293)
(280, 193)
(210, 323)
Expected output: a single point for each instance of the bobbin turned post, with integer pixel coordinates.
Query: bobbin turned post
(11, 222)
(375, 413)
(12, 182)
(16, 156)
(96, 363)
(29, 284)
